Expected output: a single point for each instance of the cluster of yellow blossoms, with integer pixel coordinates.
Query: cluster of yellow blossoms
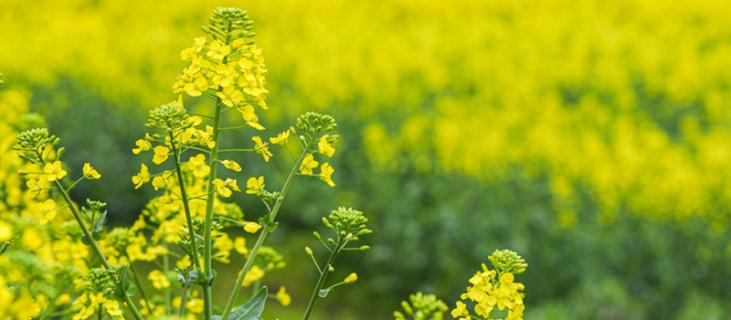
(494, 290)
(39, 256)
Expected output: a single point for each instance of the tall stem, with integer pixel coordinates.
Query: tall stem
(262, 236)
(130, 304)
(207, 250)
(186, 205)
(321, 281)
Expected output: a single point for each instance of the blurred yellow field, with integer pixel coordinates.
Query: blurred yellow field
(592, 137)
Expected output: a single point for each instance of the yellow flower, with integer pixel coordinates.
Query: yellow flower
(31, 239)
(352, 277)
(47, 210)
(254, 274)
(218, 50)
(199, 166)
(251, 227)
(160, 154)
(250, 117)
(112, 307)
(261, 148)
(460, 310)
(63, 299)
(255, 185)
(54, 171)
(195, 305)
(231, 165)
(308, 163)
(142, 177)
(142, 145)
(326, 173)
(183, 263)
(6, 231)
(240, 245)
(281, 138)
(283, 297)
(325, 147)
(158, 182)
(158, 279)
(90, 173)
(221, 188)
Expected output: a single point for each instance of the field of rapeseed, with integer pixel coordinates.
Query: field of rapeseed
(593, 138)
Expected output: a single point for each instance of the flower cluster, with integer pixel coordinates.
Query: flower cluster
(494, 290)
(421, 307)
(229, 62)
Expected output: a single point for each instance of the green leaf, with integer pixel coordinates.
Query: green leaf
(253, 308)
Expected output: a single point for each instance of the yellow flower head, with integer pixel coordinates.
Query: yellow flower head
(324, 146)
(231, 165)
(281, 138)
(283, 297)
(352, 277)
(308, 163)
(158, 279)
(249, 115)
(254, 274)
(54, 171)
(142, 177)
(240, 245)
(6, 231)
(90, 173)
(255, 185)
(160, 154)
(326, 173)
(47, 210)
(221, 188)
(261, 148)
(158, 182)
(142, 145)
(251, 227)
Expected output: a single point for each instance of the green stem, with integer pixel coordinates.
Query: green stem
(183, 298)
(208, 224)
(186, 205)
(262, 236)
(138, 283)
(95, 247)
(321, 281)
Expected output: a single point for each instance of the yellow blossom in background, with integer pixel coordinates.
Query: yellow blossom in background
(351, 278)
(231, 165)
(240, 245)
(283, 297)
(90, 173)
(255, 185)
(47, 210)
(54, 171)
(195, 305)
(31, 239)
(255, 274)
(326, 172)
(6, 231)
(158, 279)
(141, 145)
(160, 154)
(142, 177)
(251, 227)
(324, 147)
(158, 182)
(261, 148)
(308, 163)
(281, 138)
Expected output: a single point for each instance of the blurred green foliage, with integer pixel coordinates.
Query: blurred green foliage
(592, 137)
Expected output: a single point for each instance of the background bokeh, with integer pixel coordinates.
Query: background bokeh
(593, 137)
